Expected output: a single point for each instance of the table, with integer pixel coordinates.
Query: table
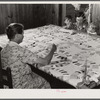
(75, 53)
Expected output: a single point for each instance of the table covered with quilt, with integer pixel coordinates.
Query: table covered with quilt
(77, 56)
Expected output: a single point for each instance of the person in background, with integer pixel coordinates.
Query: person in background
(68, 22)
(92, 29)
(17, 57)
(81, 23)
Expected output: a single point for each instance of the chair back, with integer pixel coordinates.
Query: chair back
(5, 76)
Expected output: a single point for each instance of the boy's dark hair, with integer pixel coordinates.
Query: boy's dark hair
(69, 17)
(13, 29)
(80, 14)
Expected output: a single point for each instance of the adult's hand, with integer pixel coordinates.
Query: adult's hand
(54, 47)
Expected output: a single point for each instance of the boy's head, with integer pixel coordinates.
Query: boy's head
(80, 17)
(68, 19)
(15, 31)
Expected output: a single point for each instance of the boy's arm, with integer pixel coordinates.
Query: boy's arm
(47, 59)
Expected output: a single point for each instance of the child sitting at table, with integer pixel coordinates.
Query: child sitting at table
(92, 29)
(81, 23)
(18, 58)
(68, 22)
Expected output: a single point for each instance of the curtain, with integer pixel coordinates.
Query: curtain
(96, 12)
(96, 16)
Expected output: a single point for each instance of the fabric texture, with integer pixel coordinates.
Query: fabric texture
(16, 57)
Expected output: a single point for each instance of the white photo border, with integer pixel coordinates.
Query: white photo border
(49, 93)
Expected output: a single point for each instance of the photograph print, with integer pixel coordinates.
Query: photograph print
(50, 46)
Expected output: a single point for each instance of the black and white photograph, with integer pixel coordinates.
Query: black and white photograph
(50, 46)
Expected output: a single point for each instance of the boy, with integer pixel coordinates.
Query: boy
(81, 23)
(68, 22)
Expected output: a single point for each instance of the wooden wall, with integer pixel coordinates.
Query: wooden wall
(31, 15)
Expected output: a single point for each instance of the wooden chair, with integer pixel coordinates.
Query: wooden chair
(5, 77)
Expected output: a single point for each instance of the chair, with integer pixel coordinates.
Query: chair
(5, 77)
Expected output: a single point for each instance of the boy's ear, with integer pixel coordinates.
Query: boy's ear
(17, 36)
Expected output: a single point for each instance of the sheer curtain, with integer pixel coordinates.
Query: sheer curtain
(95, 12)
(96, 16)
